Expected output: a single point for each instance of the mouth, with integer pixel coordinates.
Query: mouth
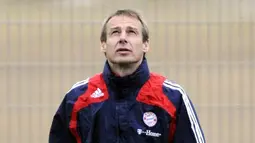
(122, 50)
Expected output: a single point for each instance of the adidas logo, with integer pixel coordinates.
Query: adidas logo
(98, 93)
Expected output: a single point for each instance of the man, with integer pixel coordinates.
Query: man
(126, 103)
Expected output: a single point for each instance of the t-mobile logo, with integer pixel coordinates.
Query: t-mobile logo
(148, 133)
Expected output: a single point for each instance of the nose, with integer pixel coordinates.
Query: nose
(123, 38)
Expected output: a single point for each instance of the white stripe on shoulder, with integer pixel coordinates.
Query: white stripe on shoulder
(193, 120)
(79, 83)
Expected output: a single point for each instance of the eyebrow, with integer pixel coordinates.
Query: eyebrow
(132, 28)
(113, 28)
(117, 28)
(128, 28)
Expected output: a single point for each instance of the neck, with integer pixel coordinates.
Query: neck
(124, 69)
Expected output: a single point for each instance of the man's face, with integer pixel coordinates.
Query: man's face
(124, 44)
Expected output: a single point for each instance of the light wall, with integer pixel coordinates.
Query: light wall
(206, 46)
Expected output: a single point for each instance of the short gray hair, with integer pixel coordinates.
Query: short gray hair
(129, 13)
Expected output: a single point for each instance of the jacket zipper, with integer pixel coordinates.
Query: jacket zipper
(118, 130)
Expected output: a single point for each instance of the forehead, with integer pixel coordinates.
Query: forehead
(124, 21)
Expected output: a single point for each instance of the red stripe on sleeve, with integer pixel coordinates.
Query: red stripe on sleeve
(85, 99)
(152, 94)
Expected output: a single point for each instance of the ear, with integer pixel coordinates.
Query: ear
(146, 47)
(103, 47)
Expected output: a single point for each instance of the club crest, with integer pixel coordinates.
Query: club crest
(150, 119)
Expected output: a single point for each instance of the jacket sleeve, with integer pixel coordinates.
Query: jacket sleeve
(59, 131)
(188, 129)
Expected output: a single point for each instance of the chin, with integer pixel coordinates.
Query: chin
(123, 61)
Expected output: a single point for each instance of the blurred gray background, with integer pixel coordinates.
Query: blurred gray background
(207, 46)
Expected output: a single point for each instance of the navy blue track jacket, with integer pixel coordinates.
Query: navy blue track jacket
(140, 108)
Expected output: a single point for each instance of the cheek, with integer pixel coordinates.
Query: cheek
(111, 44)
(109, 49)
(139, 47)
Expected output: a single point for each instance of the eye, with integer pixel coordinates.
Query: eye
(131, 31)
(115, 32)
